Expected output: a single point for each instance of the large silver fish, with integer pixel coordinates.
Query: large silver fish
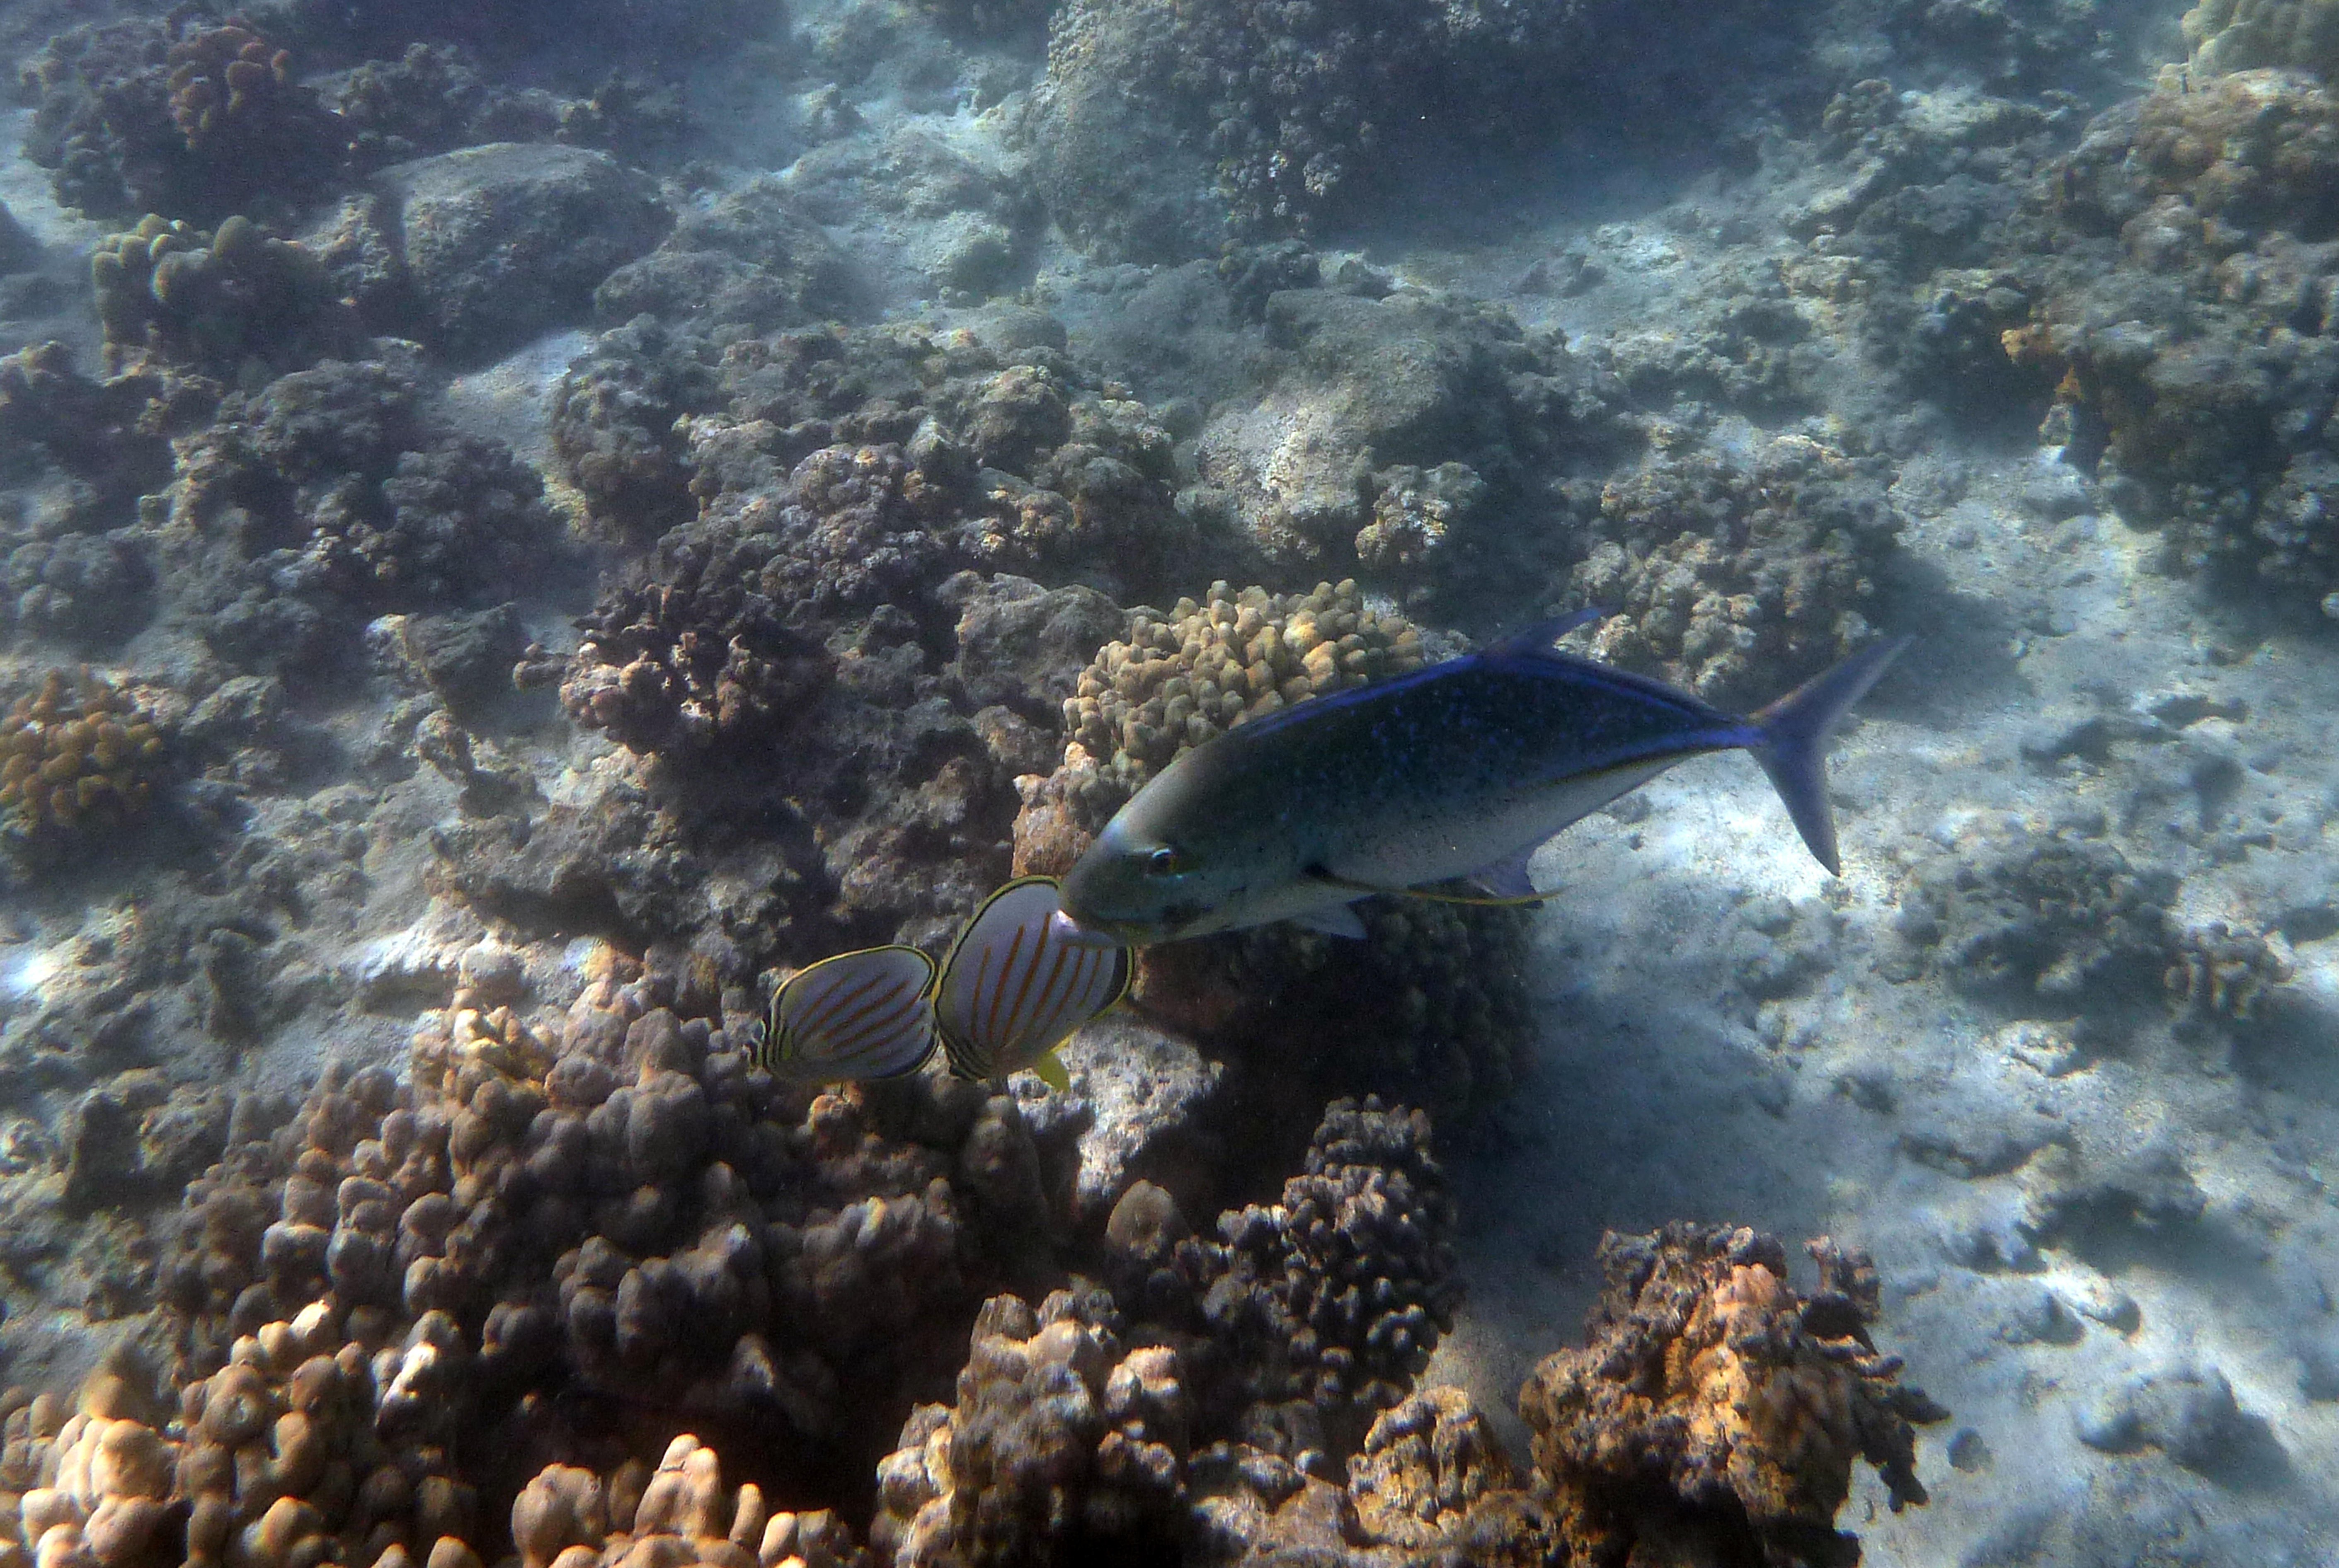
(1462, 769)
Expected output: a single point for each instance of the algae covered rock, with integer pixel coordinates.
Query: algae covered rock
(2058, 924)
(1402, 430)
(505, 241)
(2180, 311)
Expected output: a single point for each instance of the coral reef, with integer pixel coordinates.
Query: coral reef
(1403, 430)
(610, 1201)
(1303, 114)
(193, 120)
(1139, 1422)
(2042, 922)
(686, 665)
(84, 587)
(2225, 36)
(112, 436)
(1333, 1298)
(613, 425)
(431, 99)
(680, 1512)
(223, 302)
(77, 755)
(1715, 1413)
(329, 485)
(1176, 682)
(1737, 581)
(2221, 973)
(2170, 263)
(1061, 1445)
(94, 1484)
(1428, 1007)
(1016, 459)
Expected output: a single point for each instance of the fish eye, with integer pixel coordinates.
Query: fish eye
(1164, 862)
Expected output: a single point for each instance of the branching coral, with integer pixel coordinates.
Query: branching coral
(675, 669)
(1061, 1445)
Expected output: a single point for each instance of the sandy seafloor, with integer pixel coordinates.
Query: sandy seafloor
(1856, 1108)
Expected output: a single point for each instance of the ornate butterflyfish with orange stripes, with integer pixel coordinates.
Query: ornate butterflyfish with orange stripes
(861, 1014)
(1016, 984)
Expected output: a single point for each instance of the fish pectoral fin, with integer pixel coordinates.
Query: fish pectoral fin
(1447, 893)
(1507, 879)
(1051, 1069)
(1333, 920)
(1538, 637)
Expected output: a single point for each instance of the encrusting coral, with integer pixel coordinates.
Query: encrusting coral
(1715, 1413)
(78, 756)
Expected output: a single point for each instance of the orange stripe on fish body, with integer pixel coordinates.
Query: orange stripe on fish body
(1012, 989)
(858, 1015)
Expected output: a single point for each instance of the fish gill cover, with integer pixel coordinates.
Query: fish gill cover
(521, 527)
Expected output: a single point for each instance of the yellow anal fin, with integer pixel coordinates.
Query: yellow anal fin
(1051, 1069)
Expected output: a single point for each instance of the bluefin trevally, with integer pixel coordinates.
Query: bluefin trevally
(1461, 769)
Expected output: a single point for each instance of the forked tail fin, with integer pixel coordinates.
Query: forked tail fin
(1795, 730)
